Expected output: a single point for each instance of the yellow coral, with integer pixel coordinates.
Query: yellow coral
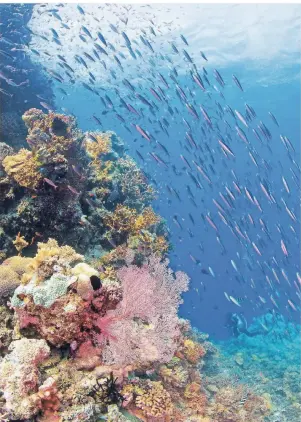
(121, 220)
(101, 176)
(155, 401)
(102, 145)
(174, 373)
(20, 243)
(18, 263)
(148, 243)
(48, 255)
(193, 351)
(23, 169)
(146, 219)
(125, 219)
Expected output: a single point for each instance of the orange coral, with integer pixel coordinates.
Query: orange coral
(50, 402)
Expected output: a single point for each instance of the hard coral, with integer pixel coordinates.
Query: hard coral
(135, 189)
(228, 405)
(18, 263)
(19, 377)
(154, 402)
(190, 350)
(50, 258)
(195, 399)
(9, 280)
(97, 144)
(23, 169)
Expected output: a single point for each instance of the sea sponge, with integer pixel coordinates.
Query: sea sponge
(6, 330)
(61, 323)
(45, 293)
(9, 280)
(23, 169)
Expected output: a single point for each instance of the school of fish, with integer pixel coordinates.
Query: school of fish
(221, 167)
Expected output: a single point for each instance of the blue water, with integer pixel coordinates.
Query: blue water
(205, 304)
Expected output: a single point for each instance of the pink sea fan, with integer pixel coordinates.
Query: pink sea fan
(144, 326)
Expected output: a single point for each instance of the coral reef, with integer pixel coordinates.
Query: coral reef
(89, 325)
(83, 183)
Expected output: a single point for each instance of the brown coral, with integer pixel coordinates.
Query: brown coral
(9, 280)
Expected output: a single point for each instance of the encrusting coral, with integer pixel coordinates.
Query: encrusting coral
(89, 325)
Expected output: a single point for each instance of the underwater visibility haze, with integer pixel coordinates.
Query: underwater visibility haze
(150, 212)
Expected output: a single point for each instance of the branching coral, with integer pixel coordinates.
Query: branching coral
(149, 401)
(20, 243)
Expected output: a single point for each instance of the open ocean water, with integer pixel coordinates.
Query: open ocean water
(206, 98)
